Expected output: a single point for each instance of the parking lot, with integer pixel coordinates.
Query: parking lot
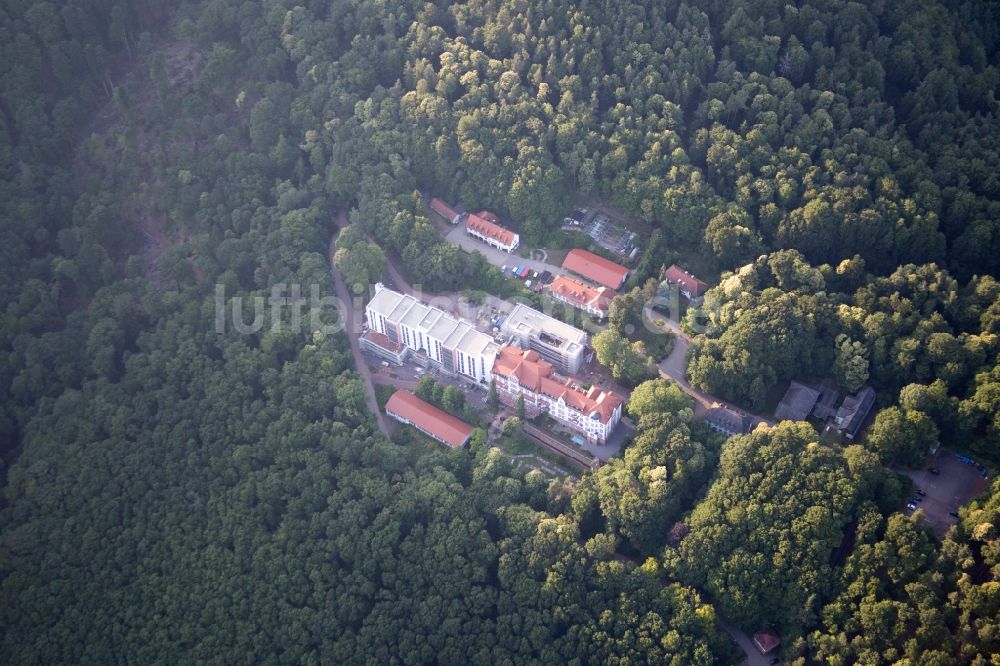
(955, 484)
(407, 377)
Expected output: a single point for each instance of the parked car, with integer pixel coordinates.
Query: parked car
(933, 470)
(916, 499)
(911, 507)
(921, 492)
(953, 514)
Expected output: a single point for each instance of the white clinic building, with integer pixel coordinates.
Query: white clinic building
(403, 324)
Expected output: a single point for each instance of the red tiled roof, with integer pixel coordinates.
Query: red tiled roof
(765, 641)
(688, 282)
(595, 268)
(446, 211)
(428, 418)
(382, 341)
(485, 223)
(579, 293)
(536, 375)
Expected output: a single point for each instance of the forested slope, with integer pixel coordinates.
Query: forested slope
(175, 494)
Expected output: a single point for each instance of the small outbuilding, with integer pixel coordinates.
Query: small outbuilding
(766, 641)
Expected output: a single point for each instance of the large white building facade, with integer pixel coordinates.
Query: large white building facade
(451, 344)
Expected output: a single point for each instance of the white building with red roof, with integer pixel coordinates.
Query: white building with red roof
(692, 288)
(592, 300)
(593, 412)
(486, 227)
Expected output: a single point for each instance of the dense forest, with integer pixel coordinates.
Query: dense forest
(173, 494)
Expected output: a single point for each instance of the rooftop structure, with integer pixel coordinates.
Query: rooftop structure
(852, 414)
(592, 411)
(595, 301)
(486, 227)
(405, 407)
(451, 344)
(798, 402)
(765, 641)
(444, 210)
(557, 342)
(688, 284)
(576, 218)
(824, 408)
(380, 345)
(595, 268)
(730, 422)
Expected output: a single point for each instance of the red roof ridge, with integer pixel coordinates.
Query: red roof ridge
(485, 223)
(539, 376)
(596, 268)
(429, 419)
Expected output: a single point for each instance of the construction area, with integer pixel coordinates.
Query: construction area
(602, 230)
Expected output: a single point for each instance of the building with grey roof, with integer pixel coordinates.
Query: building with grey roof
(729, 421)
(853, 412)
(798, 402)
(824, 407)
(557, 342)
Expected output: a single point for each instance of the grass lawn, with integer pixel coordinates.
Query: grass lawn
(658, 344)
(416, 443)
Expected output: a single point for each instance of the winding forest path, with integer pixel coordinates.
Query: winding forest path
(350, 328)
(674, 368)
(400, 282)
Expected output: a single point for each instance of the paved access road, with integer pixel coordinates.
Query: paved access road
(359, 360)
(753, 655)
(674, 367)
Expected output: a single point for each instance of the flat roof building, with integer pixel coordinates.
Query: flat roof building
(596, 268)
(451, 344)
(407, 408)
(557, 342)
